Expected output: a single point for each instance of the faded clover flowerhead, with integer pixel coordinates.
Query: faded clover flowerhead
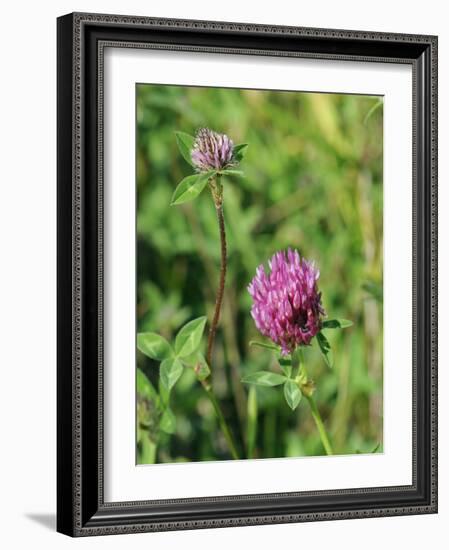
(286, 301)
(212, 151)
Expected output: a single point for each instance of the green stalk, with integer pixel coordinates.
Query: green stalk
(251, 429)
(319, 424)
(221, 419)
(148, 450)
(307, 392)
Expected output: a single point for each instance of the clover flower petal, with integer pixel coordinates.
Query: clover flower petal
(286, 301)
(212, 151)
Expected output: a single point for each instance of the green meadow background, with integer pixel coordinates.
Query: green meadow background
(313, 181)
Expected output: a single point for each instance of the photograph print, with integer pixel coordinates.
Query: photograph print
(259, 303)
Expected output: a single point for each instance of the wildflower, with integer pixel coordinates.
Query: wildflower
(286, 301)
(212, 151)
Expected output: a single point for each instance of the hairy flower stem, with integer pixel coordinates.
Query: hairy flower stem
(221, 419)
(217, 194)
(319, 424)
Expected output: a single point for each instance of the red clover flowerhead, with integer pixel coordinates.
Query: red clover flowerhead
(286, 301)
(212, 151)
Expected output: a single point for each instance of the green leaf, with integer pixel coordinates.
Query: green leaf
(265, 378)
(240, 151)
(286, 366)
(202, 370)
(190, 187)
(164, 393)
(153, 345)
(265, 345)
(325, 348)
(193, 359)
(189, 337)
(144, 386)
(292, 394)
(171, 370)
(199, 364)
(229, 172)
(168, 422)
(337, 323)
(376, 448)
(185, 144)
(251, 429)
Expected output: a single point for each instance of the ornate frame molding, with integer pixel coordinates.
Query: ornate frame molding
(81, 42)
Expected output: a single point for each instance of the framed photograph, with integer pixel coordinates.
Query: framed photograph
(247, 277)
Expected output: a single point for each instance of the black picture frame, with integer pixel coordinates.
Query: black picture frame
(81, 509)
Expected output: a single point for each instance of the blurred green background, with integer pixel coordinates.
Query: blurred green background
(313, 181)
